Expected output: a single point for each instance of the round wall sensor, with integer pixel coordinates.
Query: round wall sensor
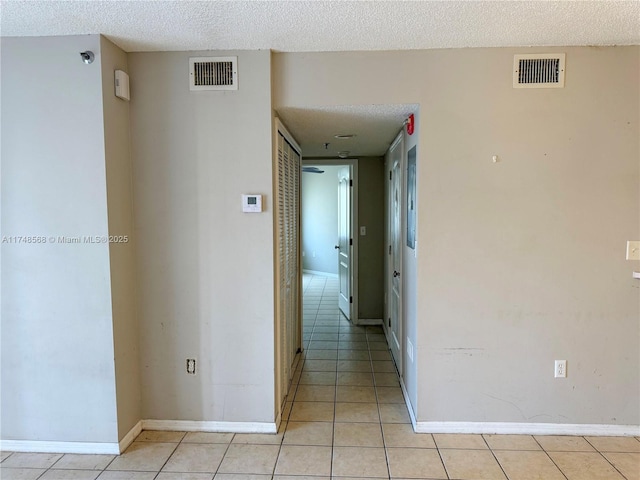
(87, 57)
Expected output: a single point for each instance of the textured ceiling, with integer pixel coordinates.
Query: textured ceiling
(307, 26)
(298, 26)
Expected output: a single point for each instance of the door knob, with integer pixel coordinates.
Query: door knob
(396, 274)
(336, 247)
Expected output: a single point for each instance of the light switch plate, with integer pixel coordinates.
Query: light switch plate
(633, 250)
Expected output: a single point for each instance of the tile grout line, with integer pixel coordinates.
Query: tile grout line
(335, 404)
(494, 456)
(549, 456)
(605, 458)
(170, 455)
(224, 455)
(375, 390)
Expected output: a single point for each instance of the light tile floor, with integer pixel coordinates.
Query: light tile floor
(346, 419)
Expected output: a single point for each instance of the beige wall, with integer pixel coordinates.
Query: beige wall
(205, 269)
(371, 246)
(520, 262)
(57, 379)
(121, 255)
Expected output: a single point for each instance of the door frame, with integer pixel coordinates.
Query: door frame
(400, 141)
(353, 164)
(282, 384)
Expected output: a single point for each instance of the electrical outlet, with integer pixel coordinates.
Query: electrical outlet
(191, 366)
(560, 370)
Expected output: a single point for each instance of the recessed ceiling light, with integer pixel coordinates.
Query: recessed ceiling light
(344, 136)
(344, 154)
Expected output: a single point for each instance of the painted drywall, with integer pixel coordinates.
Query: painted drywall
(205, 269)
(520, 262)
(57, 374)
(122, 248)
(371, 246)
(319, 215)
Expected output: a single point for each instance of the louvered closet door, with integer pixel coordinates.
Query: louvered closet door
(281, 265)
(295, 257)
(288, 263)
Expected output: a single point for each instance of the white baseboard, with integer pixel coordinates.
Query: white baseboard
(527, 428)
(130, 437)
(107, 448)
(405, 394)
(201, 426)
(36, 446)
(369, 321)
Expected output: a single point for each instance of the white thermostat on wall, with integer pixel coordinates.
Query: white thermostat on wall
(251, 203)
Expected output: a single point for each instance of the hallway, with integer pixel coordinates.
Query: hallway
(345, 392)
(345, 419)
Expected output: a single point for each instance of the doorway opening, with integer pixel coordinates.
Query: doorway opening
(377, 299)
(329, 246)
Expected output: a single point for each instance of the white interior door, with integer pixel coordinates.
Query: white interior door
(344, 242)
(395, 252)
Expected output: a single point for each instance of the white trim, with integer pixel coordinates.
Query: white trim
(130, 437)
(285, 133)
(117, 448)
(279, 418)
(281, 391)
(203, 426)
(412, 416)
(528, 428)
(369, 321)
(320, 274)
(37, 446)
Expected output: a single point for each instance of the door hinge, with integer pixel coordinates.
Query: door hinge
(390, 173)
(351, 241)
(350, 299)
(389, 321)
(351, 183)
(389, 249)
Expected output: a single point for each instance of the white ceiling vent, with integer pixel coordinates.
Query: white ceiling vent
(538, 70)
(213, 73)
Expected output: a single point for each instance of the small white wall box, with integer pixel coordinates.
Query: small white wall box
(251, 203)
(122, 85)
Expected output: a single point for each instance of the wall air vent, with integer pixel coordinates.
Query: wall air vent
(538, 70)
(213, 73)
